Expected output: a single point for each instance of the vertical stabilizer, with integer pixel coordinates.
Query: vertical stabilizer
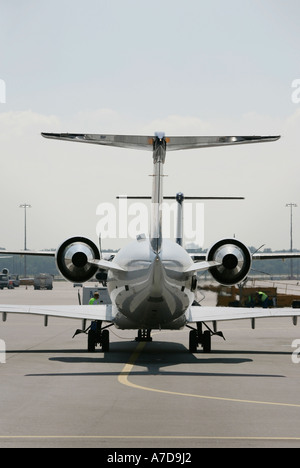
(159, 157)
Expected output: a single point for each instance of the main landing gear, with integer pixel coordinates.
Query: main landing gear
(96, 335)
(198, 337)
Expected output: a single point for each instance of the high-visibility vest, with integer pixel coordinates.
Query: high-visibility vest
(94, 301)
(263, 296)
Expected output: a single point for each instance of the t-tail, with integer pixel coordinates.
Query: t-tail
(159, 145)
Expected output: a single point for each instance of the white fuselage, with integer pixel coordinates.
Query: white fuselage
(153, 292)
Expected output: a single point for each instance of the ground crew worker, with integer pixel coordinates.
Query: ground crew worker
(250, 301)
(263, 299)
(95, 300)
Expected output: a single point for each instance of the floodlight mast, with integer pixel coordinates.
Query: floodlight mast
(291, 206)
(25, 206)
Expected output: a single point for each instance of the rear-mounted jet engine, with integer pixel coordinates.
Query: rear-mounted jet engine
(235, 259)
(72, 259)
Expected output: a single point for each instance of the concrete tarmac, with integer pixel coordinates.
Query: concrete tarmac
(53, 393)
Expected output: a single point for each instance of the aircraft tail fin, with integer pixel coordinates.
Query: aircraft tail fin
(159, 145)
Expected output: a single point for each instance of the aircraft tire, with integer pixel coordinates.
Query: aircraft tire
(105, 340)
(91, 341)
(206, 342)
(193, 341)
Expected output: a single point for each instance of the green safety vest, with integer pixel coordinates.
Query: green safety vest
(94, 301)
(263, 296)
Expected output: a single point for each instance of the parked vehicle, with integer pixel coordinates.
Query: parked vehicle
(4, 281)
(15, 280)
(43, 281)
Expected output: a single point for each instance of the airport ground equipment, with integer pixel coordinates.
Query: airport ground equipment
(43, 281)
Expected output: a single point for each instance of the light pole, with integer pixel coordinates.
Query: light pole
(25, 206)
(291, 206)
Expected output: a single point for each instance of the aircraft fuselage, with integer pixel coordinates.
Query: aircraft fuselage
(154, 292)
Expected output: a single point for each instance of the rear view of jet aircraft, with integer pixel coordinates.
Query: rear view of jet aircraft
(152, 281)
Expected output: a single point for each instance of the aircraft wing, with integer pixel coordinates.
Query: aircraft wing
(210, 314)
(276, 255)
(88, 312)
(40, 253)
(256, 256)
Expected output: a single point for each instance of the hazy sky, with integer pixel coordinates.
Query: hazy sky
(130, 66)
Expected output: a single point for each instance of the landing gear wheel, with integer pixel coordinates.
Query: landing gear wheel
(105, 341)
(206, 342)
(193, 341)
(92, 341)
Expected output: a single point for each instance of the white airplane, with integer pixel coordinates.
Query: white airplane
(152, 281)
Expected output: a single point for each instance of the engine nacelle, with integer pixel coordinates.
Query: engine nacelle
(235, 259)
(72, 259)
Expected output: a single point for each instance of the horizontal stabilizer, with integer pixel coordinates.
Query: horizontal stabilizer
(120, 141)
(146, 142)
(181, 143)
(140, 197)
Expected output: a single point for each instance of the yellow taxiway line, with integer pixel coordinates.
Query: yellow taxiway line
(124, 380)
